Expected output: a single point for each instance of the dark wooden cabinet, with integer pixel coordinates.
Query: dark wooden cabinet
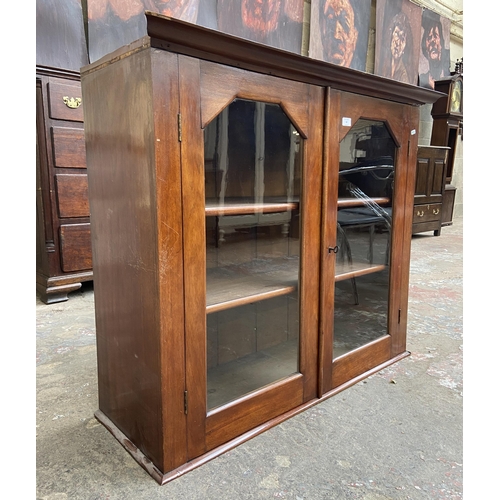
(430, 187)
(447, 114)
(63, 252)
(251, 238)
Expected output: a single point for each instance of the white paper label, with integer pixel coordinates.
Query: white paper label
(346, 121)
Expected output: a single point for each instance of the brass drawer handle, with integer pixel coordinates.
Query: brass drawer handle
(435, 211)
(72, 102)
(420, 213)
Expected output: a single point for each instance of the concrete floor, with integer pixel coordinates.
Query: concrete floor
(396, 435)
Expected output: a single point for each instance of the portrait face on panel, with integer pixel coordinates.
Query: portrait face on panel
(339, 32)
(434, 62)
(272, 22)
(260, 17)
(397, 40)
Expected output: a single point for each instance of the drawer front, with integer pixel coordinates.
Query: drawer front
(427, 213)
(69, 147)
(65, 101)
(72, 195)
(76, 250)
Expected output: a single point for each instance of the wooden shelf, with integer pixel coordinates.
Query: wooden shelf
(347, 271)
(228, 288)
(355, 202)
(237, 285)
(250, 299)
(214, 209)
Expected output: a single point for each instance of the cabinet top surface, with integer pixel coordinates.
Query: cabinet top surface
(180, 37)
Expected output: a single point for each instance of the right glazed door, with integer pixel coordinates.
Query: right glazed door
(366, 235)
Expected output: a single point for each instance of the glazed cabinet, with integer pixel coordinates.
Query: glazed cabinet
(251, 222)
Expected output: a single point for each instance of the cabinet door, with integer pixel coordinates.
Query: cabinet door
(367, 231)
(251, 181)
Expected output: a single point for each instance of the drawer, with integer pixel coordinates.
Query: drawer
(72, 195)
(427, 213)
(65, 101)
(68, 145)
(76, 250)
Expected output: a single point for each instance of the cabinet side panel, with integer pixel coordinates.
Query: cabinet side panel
(120, 157)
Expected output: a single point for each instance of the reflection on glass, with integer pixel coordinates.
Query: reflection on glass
(253, 168)
(364, 219)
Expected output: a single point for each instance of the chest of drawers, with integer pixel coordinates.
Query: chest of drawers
(63, 252)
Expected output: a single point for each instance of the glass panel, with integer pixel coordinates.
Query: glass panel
(366, 181)
(253, 165)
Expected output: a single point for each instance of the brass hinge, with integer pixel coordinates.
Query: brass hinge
(186, 402)
(179, 127)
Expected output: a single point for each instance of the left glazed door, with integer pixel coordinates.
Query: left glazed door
(251, 190)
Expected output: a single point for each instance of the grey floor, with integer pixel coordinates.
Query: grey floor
(396, 435)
